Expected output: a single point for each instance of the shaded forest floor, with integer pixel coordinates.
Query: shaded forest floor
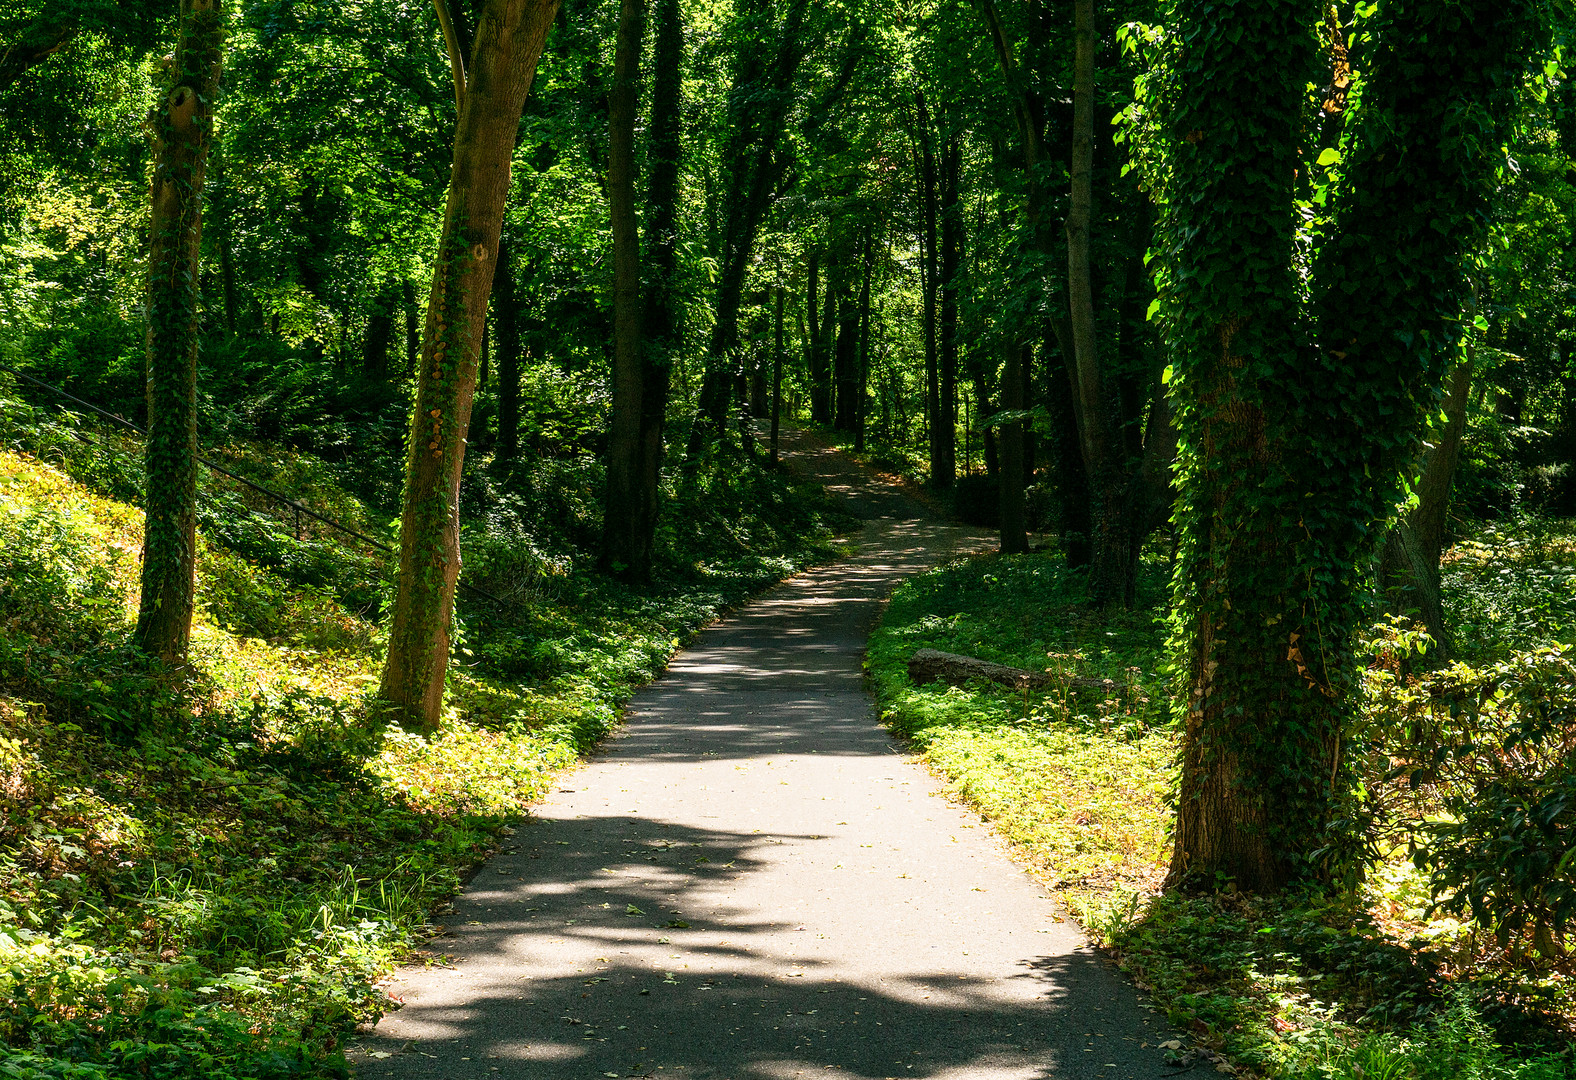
(1079, 781)
(206, 875)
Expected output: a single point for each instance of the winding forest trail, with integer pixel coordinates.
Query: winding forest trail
(750, 881)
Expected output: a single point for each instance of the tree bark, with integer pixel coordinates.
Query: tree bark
(1009, 478)
(847, 355)
(661, 328)
(815, 355)
(1409, 564)
(183, 126)
(946, 465)
(925, 170)
(508, 42)
(621, 525)
(777, 373)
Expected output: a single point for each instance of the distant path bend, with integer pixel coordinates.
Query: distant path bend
(750, 881)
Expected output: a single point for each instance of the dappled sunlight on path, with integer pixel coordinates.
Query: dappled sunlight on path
(750, 881)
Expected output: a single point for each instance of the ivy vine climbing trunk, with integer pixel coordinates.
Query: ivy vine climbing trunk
(491, 90)
(182, 125)
(1292, 451)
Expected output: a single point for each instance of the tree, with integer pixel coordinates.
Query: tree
(1292, 448)
(183, 131)
(647, 326)
(621, 533)
(491, 91)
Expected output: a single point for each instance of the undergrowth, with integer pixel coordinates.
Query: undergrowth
(205, 875)
(1381, 984)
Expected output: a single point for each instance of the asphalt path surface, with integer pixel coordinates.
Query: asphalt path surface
(751, 880)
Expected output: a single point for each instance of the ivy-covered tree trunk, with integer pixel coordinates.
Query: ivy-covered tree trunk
(183, 129)
(509, 35)
(1292, 452)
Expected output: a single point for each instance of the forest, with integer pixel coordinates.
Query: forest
(390, 390)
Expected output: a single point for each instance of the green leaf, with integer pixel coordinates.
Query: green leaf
(1165, 376)
(1330, 156)
(1154, 308)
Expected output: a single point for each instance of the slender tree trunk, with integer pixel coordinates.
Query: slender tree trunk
(815, 355)
(1114, 547)
(506, 313)
(862, 384)
(183, 123)
(621, 524)
(661, 327)
(508, 41)
(1009, 477)
(219, 210)
(828, 342)
(777, 373)
(935, 408)
(847, 355)
(946, 465)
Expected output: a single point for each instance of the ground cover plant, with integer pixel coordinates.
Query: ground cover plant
(206, 875)
(1434, 966)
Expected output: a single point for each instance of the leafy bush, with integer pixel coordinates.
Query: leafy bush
(1476, 768)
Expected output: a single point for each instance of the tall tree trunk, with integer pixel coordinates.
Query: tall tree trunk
(1072, 485)
(847, 355)
(946, 464)
(1114, 547)
(183, 126)
(829, 341)
(508, 41)
(862, 383)
(1290, 452)
(506, 313)
(925, 169)
(777, 372)
(621, 526)
(661, 327)
(1009, 478)
(815, 355)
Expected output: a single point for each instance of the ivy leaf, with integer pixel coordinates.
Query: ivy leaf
(1330, 156)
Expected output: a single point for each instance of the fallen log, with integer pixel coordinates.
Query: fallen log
(930, 665)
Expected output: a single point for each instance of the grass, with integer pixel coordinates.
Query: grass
(206, 875)
(1313, 984)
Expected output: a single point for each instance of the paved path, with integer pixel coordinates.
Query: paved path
(751, 881)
